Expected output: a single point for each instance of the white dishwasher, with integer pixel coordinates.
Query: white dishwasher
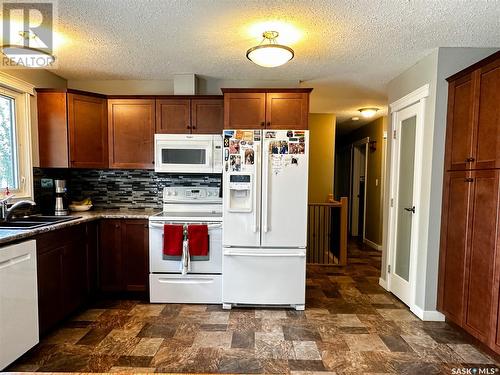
(18, 301)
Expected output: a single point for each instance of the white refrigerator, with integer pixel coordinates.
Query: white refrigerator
(264, 237)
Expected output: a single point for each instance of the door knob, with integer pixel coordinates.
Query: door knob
(410, 209)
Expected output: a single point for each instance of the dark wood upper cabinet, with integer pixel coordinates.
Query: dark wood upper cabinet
(173, 116)
(52, 129)
(266, 108)
(190, 115)
(245, 110)
(88, 134)
(287, 110)
(487, 144)
(72, 129)
(207, 116)
(473, 124)
(131, 133)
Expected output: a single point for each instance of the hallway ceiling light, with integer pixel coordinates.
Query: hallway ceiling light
(268, 53)
(355, 118)
(368, 112)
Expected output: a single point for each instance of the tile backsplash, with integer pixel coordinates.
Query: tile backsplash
(113, 188)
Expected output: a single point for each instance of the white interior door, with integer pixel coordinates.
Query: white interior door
(284, 188)
(404, 203)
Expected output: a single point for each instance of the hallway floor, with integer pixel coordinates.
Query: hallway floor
(350, 326)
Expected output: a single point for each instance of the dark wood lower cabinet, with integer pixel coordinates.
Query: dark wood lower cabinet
(124, 254)
(76, 263)
(469, 276)
(62, 274)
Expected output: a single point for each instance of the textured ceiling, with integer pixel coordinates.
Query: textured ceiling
(347, 50)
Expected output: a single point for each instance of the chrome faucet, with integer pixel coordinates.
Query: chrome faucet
(6, 212)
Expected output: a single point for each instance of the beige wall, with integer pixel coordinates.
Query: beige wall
(206, 86)
(321, 156)
(374, 179)
(37, 77)
(40, 79)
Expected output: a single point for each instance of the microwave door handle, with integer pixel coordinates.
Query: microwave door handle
(254, 193)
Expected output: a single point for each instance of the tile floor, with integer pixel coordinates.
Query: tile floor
(350, 326)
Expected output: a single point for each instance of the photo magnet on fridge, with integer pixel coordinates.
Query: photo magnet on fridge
(270, 134)
(289, 133)
(247, 135)
(228, 133)
(234, 146)
(226, 153)
(299, 133)
(297, 148)
(249, 156)
(278, 147)
(226, 142)
(239, 134)
(235, 163)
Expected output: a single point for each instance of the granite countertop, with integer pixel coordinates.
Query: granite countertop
(11, 235)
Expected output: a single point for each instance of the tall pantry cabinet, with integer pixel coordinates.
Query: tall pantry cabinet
(469, 270)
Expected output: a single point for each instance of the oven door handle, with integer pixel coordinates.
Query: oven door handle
(210, 226)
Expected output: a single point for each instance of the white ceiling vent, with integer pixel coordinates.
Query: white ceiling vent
(185, 84)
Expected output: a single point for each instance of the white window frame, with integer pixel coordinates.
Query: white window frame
(21, 92)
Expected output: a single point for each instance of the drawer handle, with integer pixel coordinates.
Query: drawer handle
(469, 179)
(13, 261)
(469, 160)
(186, 281)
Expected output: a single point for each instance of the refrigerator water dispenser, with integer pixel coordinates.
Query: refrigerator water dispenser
(240, 192)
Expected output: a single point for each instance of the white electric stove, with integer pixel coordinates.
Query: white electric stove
(203, 284)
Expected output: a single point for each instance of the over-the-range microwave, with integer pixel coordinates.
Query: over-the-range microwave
(188, 153)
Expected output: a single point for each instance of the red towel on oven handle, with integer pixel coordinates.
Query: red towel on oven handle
(173, 235)
(198, 240)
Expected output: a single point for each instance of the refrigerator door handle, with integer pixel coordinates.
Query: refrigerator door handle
(255, 214)
(265, 188)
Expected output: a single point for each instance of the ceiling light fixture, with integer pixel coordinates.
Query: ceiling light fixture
(368, 112)
(268, 53)
(355, 118)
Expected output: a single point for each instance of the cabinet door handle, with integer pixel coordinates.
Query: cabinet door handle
(410, 209)
(468, 179)
(188, 127)
(117, 225)
(269, 123)
(469, 160)
(262, 124)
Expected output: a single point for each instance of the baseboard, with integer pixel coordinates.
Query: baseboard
(427, 315)
(373, 245)
(382, 283)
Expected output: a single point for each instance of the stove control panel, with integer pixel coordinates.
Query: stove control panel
(191, 193)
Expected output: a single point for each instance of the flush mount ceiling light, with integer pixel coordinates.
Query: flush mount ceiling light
(368, 112)
(268, 53)
(355, 118)
(23, 55)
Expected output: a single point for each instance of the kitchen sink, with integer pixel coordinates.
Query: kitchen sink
(31, 222)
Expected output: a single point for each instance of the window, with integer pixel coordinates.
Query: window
(8, 145)
(15, 142)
